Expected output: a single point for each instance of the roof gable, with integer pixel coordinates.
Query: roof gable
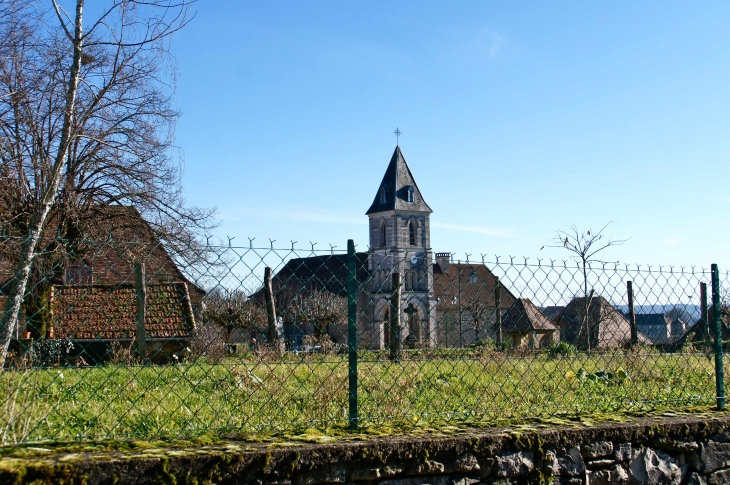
(114, 238)
(524, 317)
(398, 189)
(324, 273)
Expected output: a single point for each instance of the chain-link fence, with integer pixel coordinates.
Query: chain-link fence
(126, 340)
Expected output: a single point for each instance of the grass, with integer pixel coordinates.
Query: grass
(249, 395)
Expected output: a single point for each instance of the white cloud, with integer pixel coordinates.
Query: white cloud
(489, 231)
(496, 42)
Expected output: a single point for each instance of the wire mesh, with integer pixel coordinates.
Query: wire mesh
(125, 340)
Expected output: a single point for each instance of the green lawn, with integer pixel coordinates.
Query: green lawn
(250, 394)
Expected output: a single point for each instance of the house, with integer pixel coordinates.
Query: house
(527, 327)
(602, 326)
(466, 302)
(657, 327)
(310, 296)
(703, 332)
(88, 293)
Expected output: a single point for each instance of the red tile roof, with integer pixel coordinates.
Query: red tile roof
(84, 312)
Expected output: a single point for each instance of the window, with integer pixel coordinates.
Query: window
(448, 322)
(412, 233)
(383, 240)
(78, 274)
(413, 321)
(383, 194)
(410, 193)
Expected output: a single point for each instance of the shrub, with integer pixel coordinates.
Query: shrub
(49, 353)
(562, 349)
(208, 343)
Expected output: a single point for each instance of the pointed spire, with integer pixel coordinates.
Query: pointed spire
(398, 190)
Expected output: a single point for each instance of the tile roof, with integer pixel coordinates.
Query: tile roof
(115, 237)
(552, 312)
(301, 276)
(87, 312)
(658, 319)
(397, 179)
(523, 316)
(613, 329)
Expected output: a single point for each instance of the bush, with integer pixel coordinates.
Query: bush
(49, 353)
(323, 344)
(563, 349)
(208, 343)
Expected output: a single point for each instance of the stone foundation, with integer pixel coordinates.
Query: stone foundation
(670, 450)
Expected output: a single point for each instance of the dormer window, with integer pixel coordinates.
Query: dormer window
(383, 194)
(409, 193)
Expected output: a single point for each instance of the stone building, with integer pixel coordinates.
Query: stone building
(400, 241)
(443, 303)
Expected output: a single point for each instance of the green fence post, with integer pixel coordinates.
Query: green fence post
(716, 325)
(352, 331)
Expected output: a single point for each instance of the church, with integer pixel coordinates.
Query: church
(443, 303)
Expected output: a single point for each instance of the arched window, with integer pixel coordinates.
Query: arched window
(383, 240)
(383, 194)
(413, 322)
(410, 193)
(412, 233)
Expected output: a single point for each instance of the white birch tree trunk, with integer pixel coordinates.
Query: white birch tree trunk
(30, 245)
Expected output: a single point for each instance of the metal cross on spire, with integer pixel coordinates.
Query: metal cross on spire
(398, 133)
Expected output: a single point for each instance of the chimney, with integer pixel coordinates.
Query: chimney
(443, 260)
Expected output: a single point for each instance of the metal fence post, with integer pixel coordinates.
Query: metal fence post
(395, 318)
(140, 292)
(716, 325)
(632, 315)
(352, 332)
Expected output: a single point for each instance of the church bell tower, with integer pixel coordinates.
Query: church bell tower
(400, 240)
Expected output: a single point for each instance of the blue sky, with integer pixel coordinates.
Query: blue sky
(518, 119)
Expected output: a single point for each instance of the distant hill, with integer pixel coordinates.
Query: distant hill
(689, 313)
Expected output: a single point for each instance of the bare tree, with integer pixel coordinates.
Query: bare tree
(233, 309)
(585, 247)
(86, 119)
(480, 312)
(320, 308)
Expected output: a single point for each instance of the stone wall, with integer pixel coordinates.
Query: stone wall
(670, 450)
